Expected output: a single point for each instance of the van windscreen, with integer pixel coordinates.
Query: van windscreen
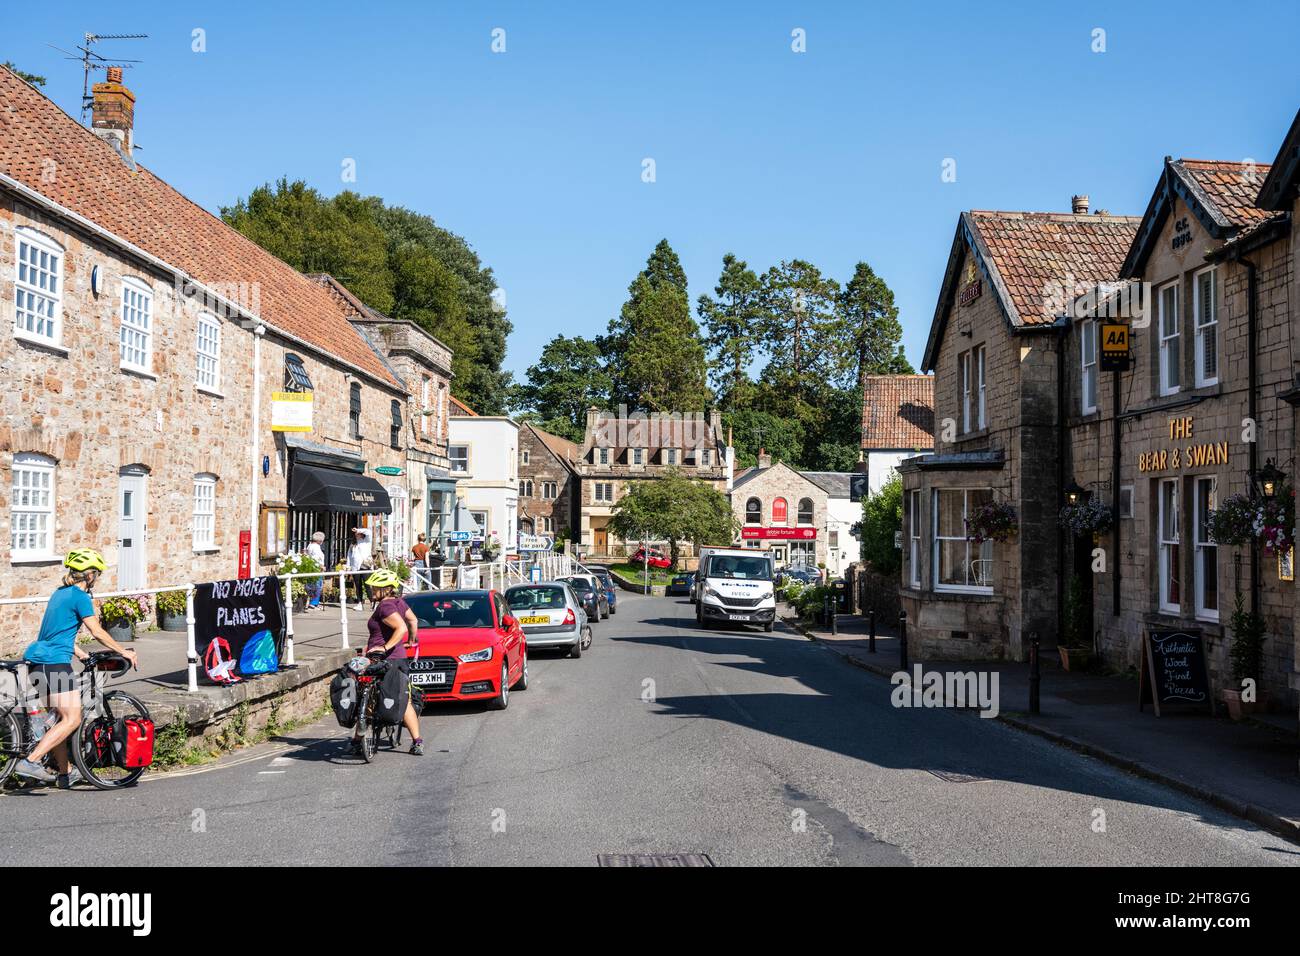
(740, 566)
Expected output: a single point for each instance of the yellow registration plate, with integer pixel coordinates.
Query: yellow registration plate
(534, 620)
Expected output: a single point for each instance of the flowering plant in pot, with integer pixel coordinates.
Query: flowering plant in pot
(1087, 517)
(170, 606)
(119, 615)
(295, 563)
(992, 521)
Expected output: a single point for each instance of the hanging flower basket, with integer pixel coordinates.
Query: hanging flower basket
(1087, 517)
(1241, 521)
(993, 521)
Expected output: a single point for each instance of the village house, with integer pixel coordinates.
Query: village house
(548, 483)
(618, 451)
(782, 511)
(483, 451)
(897, 423)
(148, 343)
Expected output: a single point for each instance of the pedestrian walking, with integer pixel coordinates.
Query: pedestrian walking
(316, 586)
(360, 558)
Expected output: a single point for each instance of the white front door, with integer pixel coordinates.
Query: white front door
(132, 517)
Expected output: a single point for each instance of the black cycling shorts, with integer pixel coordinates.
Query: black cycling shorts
(50, 679)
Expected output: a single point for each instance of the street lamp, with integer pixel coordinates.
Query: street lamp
(1270, 479)
(1074, 493)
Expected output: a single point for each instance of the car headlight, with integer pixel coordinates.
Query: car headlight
(709, 592)
(470, 658)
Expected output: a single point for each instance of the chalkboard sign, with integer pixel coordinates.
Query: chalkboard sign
(1173, 670)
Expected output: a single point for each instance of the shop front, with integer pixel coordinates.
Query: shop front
(332, 494)
(789, 546)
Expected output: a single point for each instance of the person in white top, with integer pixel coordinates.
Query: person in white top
(317, 554)
(360, 558)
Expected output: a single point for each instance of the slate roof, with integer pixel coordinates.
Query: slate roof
(834, 483)
(92, 181)
(563, 449)
(897, 412)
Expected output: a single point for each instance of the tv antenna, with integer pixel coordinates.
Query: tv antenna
(90, 60)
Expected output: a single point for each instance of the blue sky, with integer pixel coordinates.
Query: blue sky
(831, 155)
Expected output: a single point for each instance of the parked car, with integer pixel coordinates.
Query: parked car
(592, 595)
(611, 589)
(682, 584)
(656, 559)
(551, 615)
(471, 647)
(799, 572)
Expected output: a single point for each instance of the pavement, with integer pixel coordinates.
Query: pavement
(1248, 768)
(752, 748)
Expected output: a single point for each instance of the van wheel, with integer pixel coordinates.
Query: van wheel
(768, 627)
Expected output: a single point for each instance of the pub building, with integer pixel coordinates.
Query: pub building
(1142, 364)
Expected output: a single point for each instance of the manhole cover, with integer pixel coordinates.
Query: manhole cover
(653, 859)
(951, 776)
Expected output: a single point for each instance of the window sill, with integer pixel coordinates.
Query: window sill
(39, 342)
(140, 372)
(36, 559)
(209, 391)
(967, 591)
(207, 550)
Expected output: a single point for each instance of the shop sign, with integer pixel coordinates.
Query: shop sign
(1115, 352)
(1190, 455)
(387, 470)
(971, 291)
(756, 534)
(291, 411)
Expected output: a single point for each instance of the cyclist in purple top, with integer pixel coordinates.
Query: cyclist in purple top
(394, 630)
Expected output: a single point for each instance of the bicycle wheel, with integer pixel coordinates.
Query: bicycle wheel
(11, 745)
(90, 750)
(366, 725)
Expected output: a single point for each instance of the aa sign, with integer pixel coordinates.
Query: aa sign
(1114, 347)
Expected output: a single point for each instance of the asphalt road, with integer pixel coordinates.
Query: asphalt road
(749, 747)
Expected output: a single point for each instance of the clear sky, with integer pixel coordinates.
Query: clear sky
(833, 155)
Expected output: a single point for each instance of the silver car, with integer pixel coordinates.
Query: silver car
(551, 615)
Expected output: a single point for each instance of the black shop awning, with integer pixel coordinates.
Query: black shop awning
(329, 489)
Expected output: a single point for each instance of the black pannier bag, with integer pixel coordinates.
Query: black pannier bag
(343, 698)
(393, 694)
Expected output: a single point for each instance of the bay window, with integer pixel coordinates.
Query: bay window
(959, 563)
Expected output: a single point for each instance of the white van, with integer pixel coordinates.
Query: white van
(734, 586)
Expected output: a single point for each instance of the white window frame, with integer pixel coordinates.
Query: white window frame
(133, 336)
(985, 550)
(1171, 351)
(914, 533)
(1203, 547)
(207, 362)
(1206, 332)
(964, 362)
(32, 504)
(1088, 368)
(981, 417)
(47, 300)
(426, 384)
(1169, 546)
(462, 459)
(204, 526)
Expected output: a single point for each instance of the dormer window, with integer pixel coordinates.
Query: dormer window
(638, 456)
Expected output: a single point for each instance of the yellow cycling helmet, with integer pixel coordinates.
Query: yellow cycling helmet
(383, 578)
(85, 559)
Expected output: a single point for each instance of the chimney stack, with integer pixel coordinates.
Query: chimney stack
(764, 459)
(112, 115)
(1079, 205)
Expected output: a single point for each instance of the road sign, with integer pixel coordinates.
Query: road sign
(1115, 347)
(460, 535)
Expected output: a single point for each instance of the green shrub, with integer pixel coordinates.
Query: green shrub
(170, 602)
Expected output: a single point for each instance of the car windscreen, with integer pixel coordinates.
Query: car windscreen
(451, 610)
(579, 584)
(536, 597)
(740, 566)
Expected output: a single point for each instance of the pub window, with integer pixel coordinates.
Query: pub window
(805, 511)
(38, 291)
(959, 563)
(753, 511)
(395, 430)
(914, 533)
(458, 457)
(780, 511)
(1171, 597)
(1207, 554)
(980, 418)
(526, 488)
(1088, 357)
(964, 360)
(1171, 354)
(354, 410)
(31, 508)
(296, 378)
(1205, 307)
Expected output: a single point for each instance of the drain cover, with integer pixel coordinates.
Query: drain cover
(951, 776)
(653, 859)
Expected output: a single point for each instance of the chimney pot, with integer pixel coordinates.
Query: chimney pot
(1079, 204)
(115, 74)
(112, 114)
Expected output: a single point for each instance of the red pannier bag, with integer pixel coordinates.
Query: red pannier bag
(133, 742)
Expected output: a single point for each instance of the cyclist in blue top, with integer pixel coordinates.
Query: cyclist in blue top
(49, 660)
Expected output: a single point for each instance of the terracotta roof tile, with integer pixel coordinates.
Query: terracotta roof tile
(460, 408)
(1232, 187)
(90, 179)
(898, 412)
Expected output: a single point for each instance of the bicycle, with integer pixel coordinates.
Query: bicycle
(88, 747)
(370, 730)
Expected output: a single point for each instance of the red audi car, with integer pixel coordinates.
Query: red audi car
(471, 647)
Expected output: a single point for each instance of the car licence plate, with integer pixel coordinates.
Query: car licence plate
(738, 617)
(432, 677)
(534, 620)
